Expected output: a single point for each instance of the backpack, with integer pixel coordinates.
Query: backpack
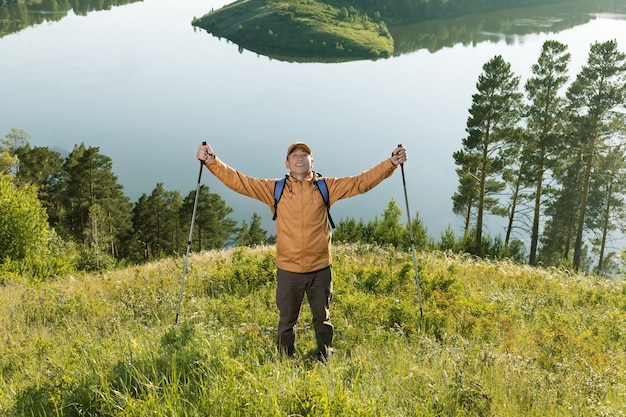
(321, 186)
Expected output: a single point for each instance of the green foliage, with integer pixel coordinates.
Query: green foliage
(301, 29)
(388, 231)
(93, 259)
(92, 201)
(320, 30)
(9, 145)
(239, 274)
(23, 222)
(157, 225)
(213, 228)
(253, 234)
(496, 109)
(574, 143)
(495, 339)
(545, 123)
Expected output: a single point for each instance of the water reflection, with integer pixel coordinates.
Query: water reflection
(505, 25)
(17, 17)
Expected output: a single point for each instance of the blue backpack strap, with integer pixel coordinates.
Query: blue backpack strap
(278, 192)
(321, 185)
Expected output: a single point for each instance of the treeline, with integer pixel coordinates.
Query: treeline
(89, 219)
(84, 5)
(16, 15)
(332, 30)
(62, 214)
(399, 12)
(548, 158)
(476, 28)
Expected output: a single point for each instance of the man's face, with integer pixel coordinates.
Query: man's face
(299, 162)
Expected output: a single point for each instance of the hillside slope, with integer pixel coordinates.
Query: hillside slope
(495, 339)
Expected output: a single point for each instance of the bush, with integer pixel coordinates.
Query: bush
(23, 221)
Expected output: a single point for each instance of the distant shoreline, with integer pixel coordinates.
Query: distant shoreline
(329, 31)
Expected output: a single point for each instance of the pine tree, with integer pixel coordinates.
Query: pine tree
(40, 167)
(607, 205)
(156, 223)
(390, 231)
(599, 88)
(253, 234)
(87, 180)
(495, 110)
(213, 228)
(544, 123)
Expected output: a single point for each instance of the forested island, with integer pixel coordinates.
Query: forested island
(333, 29)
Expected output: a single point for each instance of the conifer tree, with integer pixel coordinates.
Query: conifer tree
(464, 200)
(40, 167)
(156, 223)
(599, 89)
(253, 234)
(607, 205)
(346, 231)
(390, 231)
(213, 228)
(142, 230)
(87, 180)
(495, 111)
(544, 124)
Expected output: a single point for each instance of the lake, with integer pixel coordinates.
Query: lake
(141, 84)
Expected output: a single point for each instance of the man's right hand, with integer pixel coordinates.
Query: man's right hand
(205, 153)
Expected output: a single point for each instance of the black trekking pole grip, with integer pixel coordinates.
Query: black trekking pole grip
(201, 162)
(402, 168)
(402, 164)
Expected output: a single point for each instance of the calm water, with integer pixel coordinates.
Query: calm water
(146, 88)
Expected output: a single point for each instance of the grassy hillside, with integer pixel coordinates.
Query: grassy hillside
(299, 30)
(496, 339)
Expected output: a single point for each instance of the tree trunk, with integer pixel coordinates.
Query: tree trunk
(578, 245)
(534, 238)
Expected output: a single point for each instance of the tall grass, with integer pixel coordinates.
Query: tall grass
(495, 339)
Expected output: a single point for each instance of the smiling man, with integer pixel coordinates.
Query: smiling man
(303, 235)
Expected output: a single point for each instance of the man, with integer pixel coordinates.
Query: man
(303, 236)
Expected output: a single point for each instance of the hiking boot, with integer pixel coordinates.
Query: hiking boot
(325, 355)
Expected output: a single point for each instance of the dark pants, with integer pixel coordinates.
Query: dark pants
(290, 290)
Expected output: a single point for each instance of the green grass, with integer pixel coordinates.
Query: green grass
(495, 339)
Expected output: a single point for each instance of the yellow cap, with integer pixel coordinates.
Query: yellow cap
(297, 145)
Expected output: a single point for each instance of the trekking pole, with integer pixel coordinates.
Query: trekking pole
(408, 214)
(193, 218)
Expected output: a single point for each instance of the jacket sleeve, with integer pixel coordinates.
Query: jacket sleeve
(259, 189)
(345, 187)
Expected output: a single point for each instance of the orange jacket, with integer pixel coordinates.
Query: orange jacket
(303, 234)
